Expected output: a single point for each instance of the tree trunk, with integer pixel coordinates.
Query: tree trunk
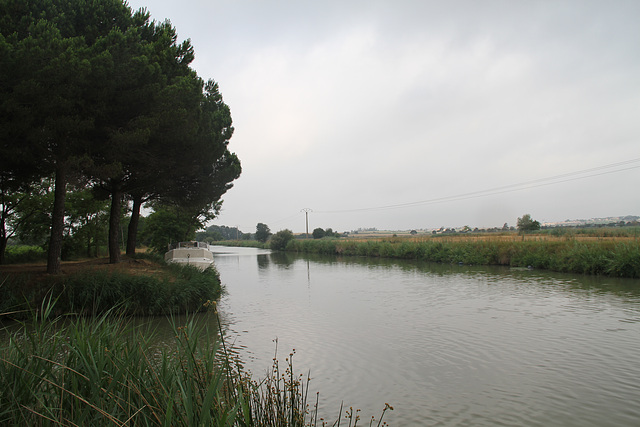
(57, 220)
(96, 240)
(114, 226)
(88, 245)
(132, 230)
(3, 227)
(3, 247)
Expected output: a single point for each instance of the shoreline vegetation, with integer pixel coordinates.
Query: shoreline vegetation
(104, 371)
(138, 287)
(73, 356)
(615, 255)
(71, 353)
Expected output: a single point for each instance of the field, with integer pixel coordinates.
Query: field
(620, 234)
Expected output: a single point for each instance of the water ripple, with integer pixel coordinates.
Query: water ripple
(444, 346)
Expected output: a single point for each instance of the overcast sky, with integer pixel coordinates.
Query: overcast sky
(419, 114)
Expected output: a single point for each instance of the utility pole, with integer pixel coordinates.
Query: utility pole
(306, 215)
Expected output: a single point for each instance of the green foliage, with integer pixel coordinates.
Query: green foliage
(262, 232)
(281, 239)
(24, 254)
(215, 233)
(318, 233)
(169, 225)
(593, 257)
(24, 212)
(594, 231)
(526, 223)
(104, 371)
(182, 289)
(99, 92)
(141, 295)
(625, 261)
(86, 224)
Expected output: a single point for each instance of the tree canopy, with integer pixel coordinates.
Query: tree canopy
(526, 223)
(92, 90)
(280, 240)
(262, 232)
(318, 233)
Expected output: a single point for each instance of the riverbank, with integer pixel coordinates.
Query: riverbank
(598, 257)
(104, 371)
(60, 367)
(616, 256)
(136, 286)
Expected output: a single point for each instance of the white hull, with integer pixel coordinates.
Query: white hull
(192, 253)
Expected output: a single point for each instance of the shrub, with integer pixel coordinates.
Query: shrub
(24, 254)
(280, 240)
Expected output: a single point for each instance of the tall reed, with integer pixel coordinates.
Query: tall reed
(603, 257)
(103, 371)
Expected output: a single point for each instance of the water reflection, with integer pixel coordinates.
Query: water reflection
(445, 344)
(283, 259)
(264, 261)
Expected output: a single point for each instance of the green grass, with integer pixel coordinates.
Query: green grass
(103, 371)
(598, 257)
(181, 289)
(601, 232)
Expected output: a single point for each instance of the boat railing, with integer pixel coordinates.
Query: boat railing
(192, 244)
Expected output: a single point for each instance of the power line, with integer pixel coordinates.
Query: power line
(275, 222)
(285, 219)
(556, 179)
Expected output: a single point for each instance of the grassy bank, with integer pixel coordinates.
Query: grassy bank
(147, 288)
(619, 258)
(242, 244)
(61, 369)
(102, 371)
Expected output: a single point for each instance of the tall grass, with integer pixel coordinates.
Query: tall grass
(180, 289)
(102, 371)
(604, 257)
(598, 232)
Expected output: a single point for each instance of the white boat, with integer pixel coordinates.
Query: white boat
(192, 253)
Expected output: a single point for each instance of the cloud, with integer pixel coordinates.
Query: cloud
(344, 105)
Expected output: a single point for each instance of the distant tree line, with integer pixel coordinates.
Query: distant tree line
(100, 113)
(216, 233)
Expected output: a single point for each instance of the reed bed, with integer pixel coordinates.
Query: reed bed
(178, 289)
(619, 258)
(102, 371)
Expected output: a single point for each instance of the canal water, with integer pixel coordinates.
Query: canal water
(444, 345)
